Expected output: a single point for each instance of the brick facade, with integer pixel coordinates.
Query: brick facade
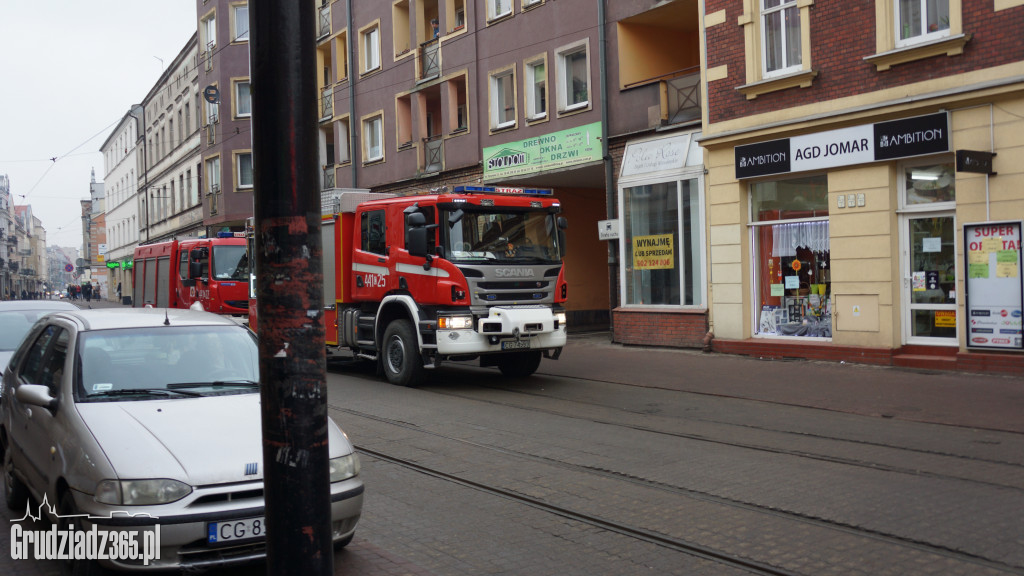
(842, 35)
(674, 328)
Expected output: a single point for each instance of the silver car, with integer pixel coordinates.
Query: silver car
(131, 418)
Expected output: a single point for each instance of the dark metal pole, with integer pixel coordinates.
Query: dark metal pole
(289, 287)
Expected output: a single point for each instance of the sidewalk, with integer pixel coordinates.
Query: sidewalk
(994, 402)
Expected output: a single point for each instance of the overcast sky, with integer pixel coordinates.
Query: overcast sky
(69, 70)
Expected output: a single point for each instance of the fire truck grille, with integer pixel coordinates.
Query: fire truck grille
(517, 285)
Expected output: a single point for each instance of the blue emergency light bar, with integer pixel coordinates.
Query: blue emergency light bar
(504, 190)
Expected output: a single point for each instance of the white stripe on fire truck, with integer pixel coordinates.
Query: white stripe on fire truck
(419, 271)
(370, 269)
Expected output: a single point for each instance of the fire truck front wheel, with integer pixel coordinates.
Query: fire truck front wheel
(402, 362)
(519, 364)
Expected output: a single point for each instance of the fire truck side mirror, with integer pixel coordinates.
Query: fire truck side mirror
(418, 242)
(195, 269)
(563, 224)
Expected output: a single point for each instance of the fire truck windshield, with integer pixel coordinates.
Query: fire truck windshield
(521, 237)
(230, 263)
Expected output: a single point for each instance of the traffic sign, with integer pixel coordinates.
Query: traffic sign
(69, 268)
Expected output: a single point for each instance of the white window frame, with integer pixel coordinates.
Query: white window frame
(494, 9)
(788, 67)
(530, 85)
(531, 3)
(924, 36)
(370, 44)
(561, 70)
(239, 157)
(343, 154)
(373, 128)
(212, 174)
(209, 28)
(236, 11)
(239, 99)
(497, 85)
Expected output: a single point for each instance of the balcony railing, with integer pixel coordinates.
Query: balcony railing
(680, 99)
(430, 55)
(325, 21)
(433, 154)
(328, 180)
(326, 103)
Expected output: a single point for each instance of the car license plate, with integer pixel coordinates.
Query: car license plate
(236, 530)
(515, 344)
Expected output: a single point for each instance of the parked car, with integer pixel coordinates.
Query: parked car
(17, 317)
(140, 417)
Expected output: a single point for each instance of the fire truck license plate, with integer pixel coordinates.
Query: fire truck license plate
(236, 530)
(515, 345)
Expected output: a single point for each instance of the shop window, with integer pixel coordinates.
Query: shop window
(791, 262)
(663, 255)
(928, 183)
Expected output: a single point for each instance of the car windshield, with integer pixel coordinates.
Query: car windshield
(230, 263)
(522, 237)
(161, 362)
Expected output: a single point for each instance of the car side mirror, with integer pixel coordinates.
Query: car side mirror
(35, 395)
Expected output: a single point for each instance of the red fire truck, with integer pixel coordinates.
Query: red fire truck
(412, 281)
(209, 272)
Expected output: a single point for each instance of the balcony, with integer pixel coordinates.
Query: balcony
(430, 60)
(326, 104)
(328, 177)
(325, 21)
(680, 99)
(433, 154)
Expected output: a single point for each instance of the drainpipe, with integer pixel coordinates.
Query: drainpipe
(609, 169)
(352, 140)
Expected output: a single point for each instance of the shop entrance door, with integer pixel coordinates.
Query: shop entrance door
(929, 283)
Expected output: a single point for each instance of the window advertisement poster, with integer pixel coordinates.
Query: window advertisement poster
(995, 289)
(655, 252)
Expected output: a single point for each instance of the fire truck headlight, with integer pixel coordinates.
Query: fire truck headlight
(559, 319)
(455, 322)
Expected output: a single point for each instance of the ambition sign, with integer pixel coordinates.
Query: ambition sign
(863, 144)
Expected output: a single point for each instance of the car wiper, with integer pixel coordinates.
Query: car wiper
(142, 392)
(240, 382)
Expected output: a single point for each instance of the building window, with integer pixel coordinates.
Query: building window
(921, 20)
(240, 15)
(370, 44)
(213, 175)
(776, 46)
(531, 3)
(503, 99)
(498, 8)
(208, 39)
(536, 89)
(780, 36)
(244, 163)
(927, 183)
(573, 78)
(344, 140)
(373, 138)
(790, 229)
(243, 99)
(400, 30)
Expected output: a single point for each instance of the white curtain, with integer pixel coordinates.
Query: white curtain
(787, 237)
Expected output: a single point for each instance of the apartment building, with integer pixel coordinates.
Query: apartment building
(8, 239)
(225, 143)
(866, 163)
(120, 162)
(168, 167)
